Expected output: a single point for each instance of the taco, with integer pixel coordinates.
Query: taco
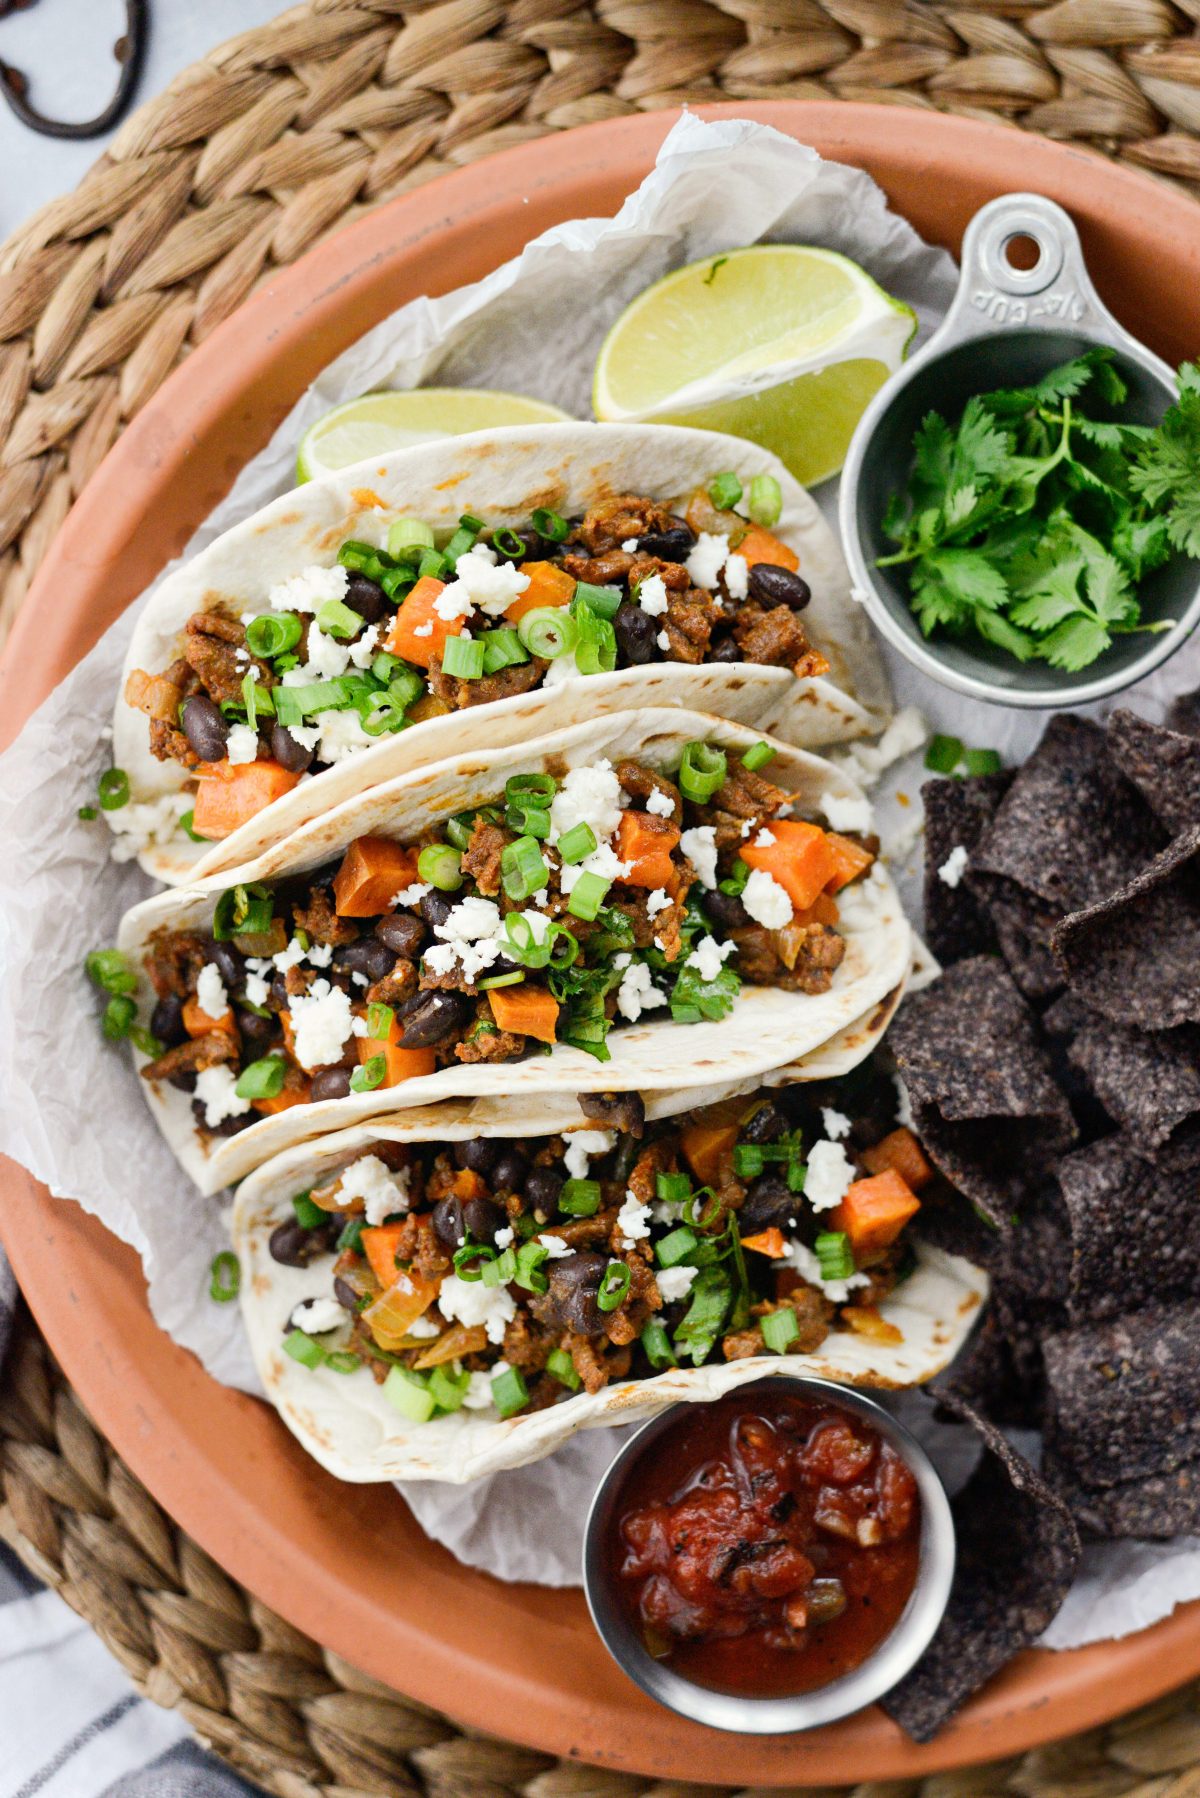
(653, 900)
(436, 1296)
(484, 589)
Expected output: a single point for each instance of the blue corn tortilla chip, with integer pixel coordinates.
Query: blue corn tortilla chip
(1157, 1507)
(1124, 1395)
(1023, 924)
(957, 812)
(1135, 956)
(984, 1101)
(1018, 1553)
(1149, 1082)
(1135, 1231)
(1184, 714)
(1163, 764)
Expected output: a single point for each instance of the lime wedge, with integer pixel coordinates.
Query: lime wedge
(379, 422)
(783, 344)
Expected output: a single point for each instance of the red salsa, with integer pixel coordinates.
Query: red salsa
(767, 1545)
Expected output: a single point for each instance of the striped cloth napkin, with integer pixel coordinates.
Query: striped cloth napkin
(71, 1726)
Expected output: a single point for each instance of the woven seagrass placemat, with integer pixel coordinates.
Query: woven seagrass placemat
(276, 139)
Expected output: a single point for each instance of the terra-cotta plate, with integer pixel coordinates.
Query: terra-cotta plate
(347, 1563)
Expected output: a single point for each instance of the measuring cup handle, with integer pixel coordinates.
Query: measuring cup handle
(993, 294)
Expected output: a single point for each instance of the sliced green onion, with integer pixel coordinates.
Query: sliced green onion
(114, 789)
(339, 620)
(433, 565)
(294, 704)
(146, 1043)
(983, 761)
(757, 756)
(724, 490)
(370, 1075)
(676, 1246)
(673, 1189)
(404, 687)
(702, 1209)
(463, 539)
(551, 525)
(359, 557)
(596, 650)
(186, 821)
(119, 1017)
(110, 970)
(500, 1270)
(509, 1392)
(578, 842)
(735, 885)
(384, 666)
(604, 601)
(460, 829)
(303, 1348)
(462, 657)
(530, 1259)
(560, 1367)
(380, 1019)
(587, 896)
(797, 1174)
(382, 715)
(404, 533)
(272, 633)
(549, 632)
(242, 911)
(614, 1284)
(523, 945)
(538, 789)
(470, 1259)
(256, 698)
(835, 1255)
(88, 812)
(308, 1215)
(523, 870)
(398, 583)
(764, 500)
(225, 1277)
(531, 819)
(748, 1160)
(441, 866)
(580, 1198)
(779, 1329)
(701, 772)
(944, 754)
(342, 1361)
(507, 543)
(502, 649)
(409, 1393)
(516, 978)
(657, 1345)
(261, 1079)
(448, 1389)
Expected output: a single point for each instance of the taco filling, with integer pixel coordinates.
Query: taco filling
(574, 904)
(388, 637)
(507, 1273)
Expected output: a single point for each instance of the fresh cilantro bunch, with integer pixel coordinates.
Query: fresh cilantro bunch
(1033, 521)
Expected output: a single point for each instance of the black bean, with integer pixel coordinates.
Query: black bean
(541, 1191)
(479, 1154)
(438, 1016)
(448, 1224)
(637, 634)
(228, 962)
(401, 932)
(767, 1125)
(774, 586)
(366, 598)
(280, 998)
(619, 1111)
(166, 1022)
(255, 1032)
(295, 1246)
(725, 651)
(509, 1170)
(436, 907)
(672, 545)
(572, 1294)
(330, 1083)
(184, 1081)
(229, 1127)
(530, 545)
(287, 752)
(366, 956)
(204, 727)
(769, 1202)
(725, 911)
(483, 1217)
(345, 1294)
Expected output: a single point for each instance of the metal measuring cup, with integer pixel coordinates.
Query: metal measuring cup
(1007, 326)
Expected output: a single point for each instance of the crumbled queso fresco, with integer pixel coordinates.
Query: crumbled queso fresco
(830, 1175)
(954, 866)
(381, 1191)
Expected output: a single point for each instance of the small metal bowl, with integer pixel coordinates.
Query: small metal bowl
(1007, 327)
(777, 1716)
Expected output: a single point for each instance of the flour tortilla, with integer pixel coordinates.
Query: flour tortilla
(768, 1028)
(501, 476)
(345, 1422)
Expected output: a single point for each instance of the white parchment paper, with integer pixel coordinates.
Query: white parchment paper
(70, 1108)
